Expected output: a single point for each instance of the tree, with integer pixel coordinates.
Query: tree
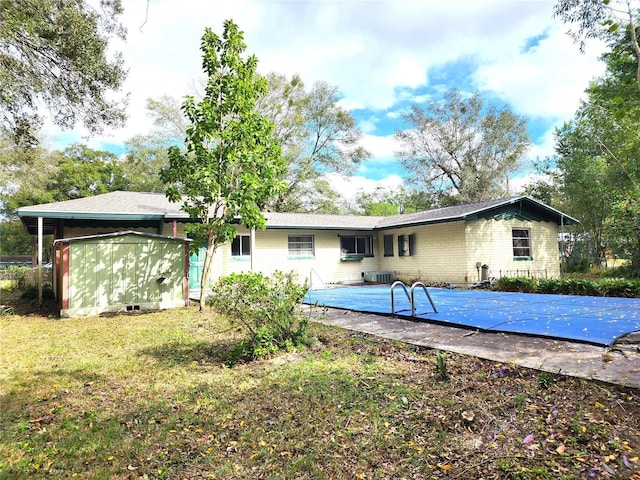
(232, 164)
(462, 147)
(147, 154)
(14, 239)
(601, 19)
(54, 55)
(24, 175)
(84, 172)
(317, 136)
(584, 178)
(598, 170)
(35, 176)
(384, 202)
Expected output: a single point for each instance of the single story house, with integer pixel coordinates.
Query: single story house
(464, 243)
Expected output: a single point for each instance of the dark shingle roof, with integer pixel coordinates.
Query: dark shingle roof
(113, 203)
(136, 206)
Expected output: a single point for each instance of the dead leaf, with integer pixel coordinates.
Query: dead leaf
(468, 415)
(561, 448)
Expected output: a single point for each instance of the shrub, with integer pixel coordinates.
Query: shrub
(19, 276)
(515, 284)
(611, 287)
(268, 307)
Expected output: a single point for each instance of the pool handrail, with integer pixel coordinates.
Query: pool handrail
(412, 300)
(406, 292)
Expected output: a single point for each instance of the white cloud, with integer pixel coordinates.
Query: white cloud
(547, 81)
(377, 51)
(350, 187)
(379, 147)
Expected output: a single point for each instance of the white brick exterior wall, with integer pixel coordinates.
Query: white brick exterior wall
(445, 252)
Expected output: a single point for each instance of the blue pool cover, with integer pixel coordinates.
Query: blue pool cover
(596, 320)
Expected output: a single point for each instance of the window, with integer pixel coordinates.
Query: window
(521, 243)
(359, 245)
(301, 246)
(406, 244)
(241, 246)
(388, 245)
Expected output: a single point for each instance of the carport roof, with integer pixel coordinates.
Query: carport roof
(114, 206)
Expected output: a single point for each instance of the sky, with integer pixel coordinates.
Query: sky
(383, 55)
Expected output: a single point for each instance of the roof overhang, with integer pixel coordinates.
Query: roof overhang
(53, 220)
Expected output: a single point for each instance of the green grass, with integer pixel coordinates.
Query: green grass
(153, 396)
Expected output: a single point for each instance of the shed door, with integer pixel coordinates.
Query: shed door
(196, 264)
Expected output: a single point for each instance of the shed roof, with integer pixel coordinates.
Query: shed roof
(122, 234)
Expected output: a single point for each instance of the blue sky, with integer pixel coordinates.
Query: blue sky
(384, 56)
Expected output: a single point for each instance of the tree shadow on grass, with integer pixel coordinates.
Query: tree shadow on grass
(222, 353)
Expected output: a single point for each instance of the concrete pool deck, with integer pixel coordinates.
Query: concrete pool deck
(617, 365)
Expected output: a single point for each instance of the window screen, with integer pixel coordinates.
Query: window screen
(521, 242)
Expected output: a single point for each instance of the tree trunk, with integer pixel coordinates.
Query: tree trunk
(206, 271)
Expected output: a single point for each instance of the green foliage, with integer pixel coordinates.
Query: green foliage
(602, 19)
(463, 146)
(31, 292)
(623, 271)
(56, 54)
(515, 284)
(317, 136)
(231, 164)
(441, 367)
(545, 380)
(84, 172)
(14, 239)
(609, 287)
(623, 226)
(268, 307)
(35, 176)
(19, 276)
(597, 173)
(147, 154)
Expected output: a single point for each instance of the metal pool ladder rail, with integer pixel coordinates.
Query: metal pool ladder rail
(410, 296)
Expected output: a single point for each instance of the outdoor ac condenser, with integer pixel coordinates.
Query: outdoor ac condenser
(378, 277)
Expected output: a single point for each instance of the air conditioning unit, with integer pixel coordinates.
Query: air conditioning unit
(378, 277)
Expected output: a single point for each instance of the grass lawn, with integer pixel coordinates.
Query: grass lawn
(158, 396)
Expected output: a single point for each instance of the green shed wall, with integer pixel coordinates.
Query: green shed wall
(124, 273)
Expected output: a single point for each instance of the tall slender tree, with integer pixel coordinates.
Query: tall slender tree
(231, 164)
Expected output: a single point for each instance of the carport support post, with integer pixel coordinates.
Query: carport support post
(40, 228)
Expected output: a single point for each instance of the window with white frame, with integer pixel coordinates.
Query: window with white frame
(356, 245)
(521, 243)
(241, 246)
(301, 246)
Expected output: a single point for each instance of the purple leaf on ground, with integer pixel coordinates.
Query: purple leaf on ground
(528, 438)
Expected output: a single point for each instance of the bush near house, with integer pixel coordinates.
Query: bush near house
(268, 307)
(608, 287)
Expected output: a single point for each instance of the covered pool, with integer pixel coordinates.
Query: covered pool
(596, 320)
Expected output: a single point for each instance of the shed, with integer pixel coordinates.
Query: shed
(120, 272)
